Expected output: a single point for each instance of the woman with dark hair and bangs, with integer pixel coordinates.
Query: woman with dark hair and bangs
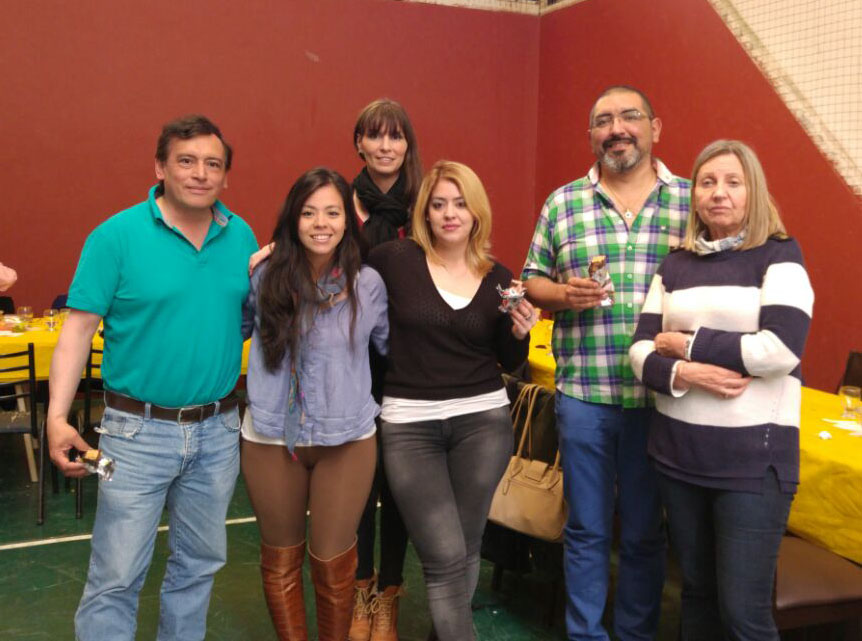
(383, 195)
(385, 190)
(308, 434)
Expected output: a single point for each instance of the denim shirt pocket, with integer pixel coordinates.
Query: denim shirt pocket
(120, 424)
(230, 419)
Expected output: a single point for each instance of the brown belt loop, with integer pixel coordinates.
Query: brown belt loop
(189, 414)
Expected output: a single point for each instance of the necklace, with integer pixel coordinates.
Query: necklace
(628, 214)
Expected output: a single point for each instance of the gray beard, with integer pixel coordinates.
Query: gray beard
(623, 164)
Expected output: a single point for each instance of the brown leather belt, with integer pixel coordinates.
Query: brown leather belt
(189, 414)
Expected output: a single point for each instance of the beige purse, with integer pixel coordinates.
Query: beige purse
(529, 498)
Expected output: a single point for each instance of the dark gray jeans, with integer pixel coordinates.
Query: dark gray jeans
(443, 475)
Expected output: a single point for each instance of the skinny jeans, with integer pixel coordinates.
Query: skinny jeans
(727, 546)
(442, 475)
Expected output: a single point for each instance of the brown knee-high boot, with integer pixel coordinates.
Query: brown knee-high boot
(333, 588)
(281, 569)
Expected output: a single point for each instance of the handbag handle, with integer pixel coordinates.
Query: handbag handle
(528, 394)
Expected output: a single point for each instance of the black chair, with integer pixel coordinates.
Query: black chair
(59, 301)
(7, 305)
(23, 418)
(89, 416)
(853, 370)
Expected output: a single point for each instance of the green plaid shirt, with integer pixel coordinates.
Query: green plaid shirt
(579, 221)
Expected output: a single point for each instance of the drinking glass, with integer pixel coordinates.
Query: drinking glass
(850, 398)
(51, 318)
(25, 313)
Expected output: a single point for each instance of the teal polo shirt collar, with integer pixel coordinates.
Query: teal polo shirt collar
(221, 218)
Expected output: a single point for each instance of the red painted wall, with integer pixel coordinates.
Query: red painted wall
(87, 86)
(704, 86)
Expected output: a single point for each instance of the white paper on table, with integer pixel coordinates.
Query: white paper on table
(847, 425)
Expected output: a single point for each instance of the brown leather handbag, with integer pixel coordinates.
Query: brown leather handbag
(529, 498)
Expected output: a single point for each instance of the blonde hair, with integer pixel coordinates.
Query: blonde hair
(479, 258)
(762, 220)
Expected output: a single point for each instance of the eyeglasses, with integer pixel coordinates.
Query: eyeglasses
(629, 116)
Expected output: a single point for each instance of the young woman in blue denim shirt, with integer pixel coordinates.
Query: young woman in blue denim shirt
(308, 435)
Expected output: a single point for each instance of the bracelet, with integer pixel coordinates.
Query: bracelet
(686, 351)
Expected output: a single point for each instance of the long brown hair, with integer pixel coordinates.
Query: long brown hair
(288, 291)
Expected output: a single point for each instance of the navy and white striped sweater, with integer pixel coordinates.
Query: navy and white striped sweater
(750, 312)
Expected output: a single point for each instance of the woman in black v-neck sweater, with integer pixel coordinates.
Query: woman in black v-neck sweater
(445, 426)
(437, 352)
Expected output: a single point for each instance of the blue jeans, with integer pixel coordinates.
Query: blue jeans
(191, 468)
(603, 449)
(727, 545)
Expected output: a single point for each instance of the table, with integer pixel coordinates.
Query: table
(827, 509)
(44, 343)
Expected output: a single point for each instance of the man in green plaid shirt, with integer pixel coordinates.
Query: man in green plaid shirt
(631, 210)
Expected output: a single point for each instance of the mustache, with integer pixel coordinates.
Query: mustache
(613, 139)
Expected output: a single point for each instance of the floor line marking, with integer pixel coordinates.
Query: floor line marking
(86, 537)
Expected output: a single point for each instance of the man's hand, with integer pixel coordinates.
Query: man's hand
(671, 344)
(582, 293)
(8, 276)
(62, 437)
(716, 380)
(68, 362)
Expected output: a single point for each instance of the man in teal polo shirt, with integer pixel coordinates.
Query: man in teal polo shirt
(168, 276)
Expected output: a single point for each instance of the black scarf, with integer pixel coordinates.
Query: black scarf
(386, 212)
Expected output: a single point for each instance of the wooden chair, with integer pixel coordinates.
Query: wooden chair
(815, 587)
(22, 418)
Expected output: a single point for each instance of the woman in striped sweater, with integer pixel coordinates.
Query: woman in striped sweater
(719, 340)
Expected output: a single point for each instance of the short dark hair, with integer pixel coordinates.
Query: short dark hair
(621, 88)
(186, 127)
(385, 115)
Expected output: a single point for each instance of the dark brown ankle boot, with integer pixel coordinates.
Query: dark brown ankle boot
(333, 588)
(281, 569)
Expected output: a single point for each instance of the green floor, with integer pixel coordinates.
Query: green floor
(40, 584)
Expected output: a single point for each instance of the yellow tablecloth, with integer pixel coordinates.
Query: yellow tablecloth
(44, 343)
(827, 508)
(541, 358)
